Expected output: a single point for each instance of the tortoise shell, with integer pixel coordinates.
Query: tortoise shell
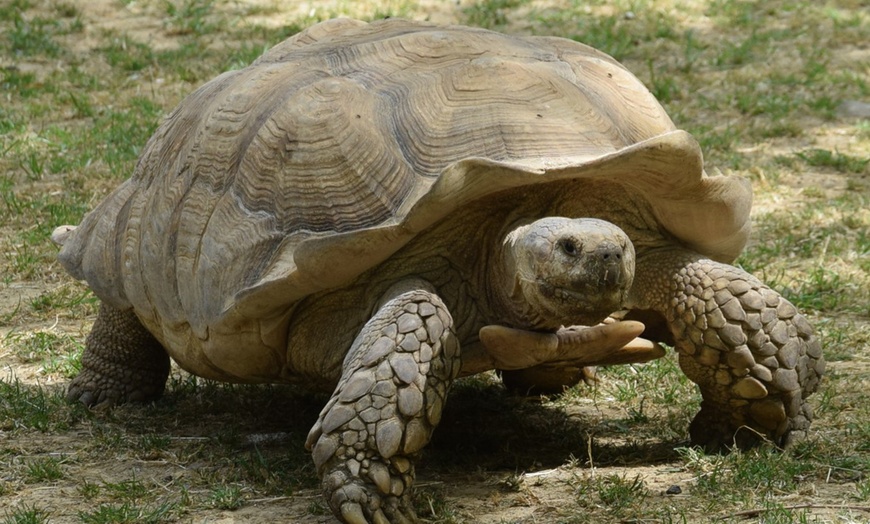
(341, 144)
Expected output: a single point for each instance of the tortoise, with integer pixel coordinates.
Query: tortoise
(375, 209)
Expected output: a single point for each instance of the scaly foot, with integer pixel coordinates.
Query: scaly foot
(384, 409)
(122, 362)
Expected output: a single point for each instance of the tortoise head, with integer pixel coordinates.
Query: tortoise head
(561, 271)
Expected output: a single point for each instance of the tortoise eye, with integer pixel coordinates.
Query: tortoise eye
(569, 247)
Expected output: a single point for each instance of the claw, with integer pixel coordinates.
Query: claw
(313, 436)
(402, 519)
(352, 513)
(379, 518)
(87, 398)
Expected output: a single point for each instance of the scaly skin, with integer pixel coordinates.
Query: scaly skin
(122, 362)
(385, 407)
(753, 356)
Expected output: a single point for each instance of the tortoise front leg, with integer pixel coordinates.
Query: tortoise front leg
(385, 407)
(753, 356)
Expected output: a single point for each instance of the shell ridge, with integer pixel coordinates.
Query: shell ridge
(164, 183)
(311, 36)
(225, 196)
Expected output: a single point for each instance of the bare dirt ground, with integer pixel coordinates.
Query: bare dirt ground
(496, 459)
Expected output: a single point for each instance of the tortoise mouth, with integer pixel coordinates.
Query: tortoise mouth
(593, 300)
(587, 294)
(563, 294)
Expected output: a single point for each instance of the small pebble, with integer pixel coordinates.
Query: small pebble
(674, 490)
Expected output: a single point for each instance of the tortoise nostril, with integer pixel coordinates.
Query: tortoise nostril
(609, 253)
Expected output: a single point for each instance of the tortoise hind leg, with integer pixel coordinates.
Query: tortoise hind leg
(122, 362)
(385, 407)
(753, 356)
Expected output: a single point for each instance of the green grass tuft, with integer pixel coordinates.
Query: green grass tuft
(127, 513)
(226, 497)
(25, 514)
(44, 469)
(490, 14)
(833, 159)
(33, 407)
(618, 493)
